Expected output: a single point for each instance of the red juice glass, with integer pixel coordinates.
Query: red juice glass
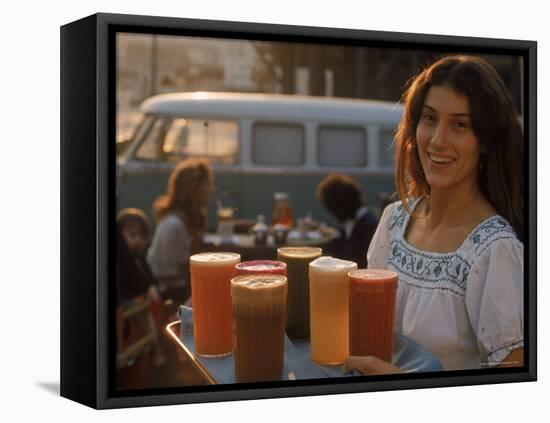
(372, 295)
(261, 267)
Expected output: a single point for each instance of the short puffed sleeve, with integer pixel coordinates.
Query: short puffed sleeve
(494, 299)
(377, 254)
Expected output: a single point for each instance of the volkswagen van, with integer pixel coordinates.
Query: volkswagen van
(259, 144)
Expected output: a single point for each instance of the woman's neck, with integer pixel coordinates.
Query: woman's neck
(453, 207)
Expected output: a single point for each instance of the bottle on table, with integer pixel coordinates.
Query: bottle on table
(282, 212)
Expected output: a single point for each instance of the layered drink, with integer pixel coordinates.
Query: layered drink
(259, 310)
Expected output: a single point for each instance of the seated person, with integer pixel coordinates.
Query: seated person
(341, 195)
(135, 282)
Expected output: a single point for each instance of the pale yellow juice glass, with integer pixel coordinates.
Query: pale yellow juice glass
(329, 309)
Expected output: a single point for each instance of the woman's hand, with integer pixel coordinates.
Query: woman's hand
(370, 365)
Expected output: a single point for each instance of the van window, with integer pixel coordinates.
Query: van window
(341, 146)
(217, 140)
(386, 147)
(175, 139)
(278, 144)
(150, 147)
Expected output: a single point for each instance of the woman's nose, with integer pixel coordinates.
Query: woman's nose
(439, 137)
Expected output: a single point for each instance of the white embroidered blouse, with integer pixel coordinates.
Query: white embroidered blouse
(465, 306)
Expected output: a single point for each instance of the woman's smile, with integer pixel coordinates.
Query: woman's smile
(440, 160)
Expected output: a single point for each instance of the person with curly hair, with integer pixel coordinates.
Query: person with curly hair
(342, 196)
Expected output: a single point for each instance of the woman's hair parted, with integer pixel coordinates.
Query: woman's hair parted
(184, 184)
(494, 122)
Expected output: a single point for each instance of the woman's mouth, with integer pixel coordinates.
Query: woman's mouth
(440, 159)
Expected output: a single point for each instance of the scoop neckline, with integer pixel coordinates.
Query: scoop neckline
(412, 205)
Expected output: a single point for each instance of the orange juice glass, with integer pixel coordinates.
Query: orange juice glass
(329, 309)
(211, 275)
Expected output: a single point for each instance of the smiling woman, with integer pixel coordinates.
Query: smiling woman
(458, 103)
(455, 237)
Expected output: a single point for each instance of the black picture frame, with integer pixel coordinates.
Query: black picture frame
(87, 212)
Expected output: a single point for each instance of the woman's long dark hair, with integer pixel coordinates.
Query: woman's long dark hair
(494, 122)
(184, 184)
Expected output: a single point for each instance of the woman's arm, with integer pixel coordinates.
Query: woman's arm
(370, 365)
(514, 359)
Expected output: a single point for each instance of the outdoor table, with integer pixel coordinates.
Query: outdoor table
(408, 355)
(244, 245)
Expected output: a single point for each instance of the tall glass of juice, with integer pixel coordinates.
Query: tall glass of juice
(259, 310)
(297, 261)
(372, 294)
(329, 309)
(211, 275)
(261, 267)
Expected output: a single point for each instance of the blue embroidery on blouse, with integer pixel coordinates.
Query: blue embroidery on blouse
(397, 217)
(446, 271)
(435, 270)
(489, 231)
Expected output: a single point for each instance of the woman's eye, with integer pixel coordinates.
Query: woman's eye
(461, 125)
(428, 117)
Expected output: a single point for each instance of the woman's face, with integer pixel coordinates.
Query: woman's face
(205, 192)
(448, 148)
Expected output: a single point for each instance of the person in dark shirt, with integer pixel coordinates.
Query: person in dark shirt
(342, 196)
(134, 279)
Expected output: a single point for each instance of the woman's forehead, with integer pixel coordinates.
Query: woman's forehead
(445, 100)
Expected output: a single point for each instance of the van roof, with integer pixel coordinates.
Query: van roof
(271, 106)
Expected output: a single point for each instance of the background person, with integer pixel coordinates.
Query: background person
(455, 238)
(342, 196)
(135, 282)
(181, 218)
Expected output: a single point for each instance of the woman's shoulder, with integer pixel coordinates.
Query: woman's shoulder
(395, 214)
(494, 235)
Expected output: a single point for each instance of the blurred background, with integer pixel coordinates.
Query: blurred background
(153, 64)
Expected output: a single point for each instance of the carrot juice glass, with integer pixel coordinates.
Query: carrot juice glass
(329, 309)
(259, 311)
(211, 275)
(372, 295)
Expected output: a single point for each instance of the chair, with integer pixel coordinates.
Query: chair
(135, 339)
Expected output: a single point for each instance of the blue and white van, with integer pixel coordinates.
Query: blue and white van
(259, 144)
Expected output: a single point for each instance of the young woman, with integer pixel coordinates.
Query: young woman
(181, 217)
(455, 238)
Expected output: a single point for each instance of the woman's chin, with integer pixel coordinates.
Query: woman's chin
(438, 183)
